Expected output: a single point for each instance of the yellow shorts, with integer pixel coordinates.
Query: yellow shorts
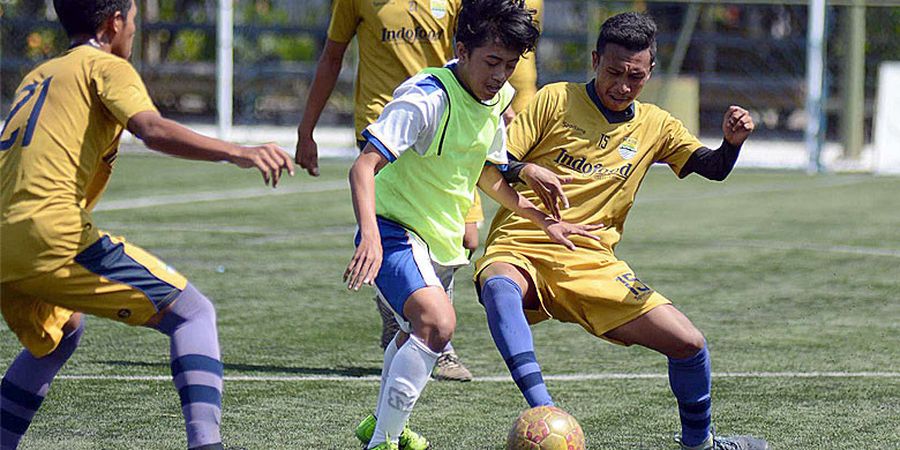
(596, 291)
(475, 213)
(110, 278)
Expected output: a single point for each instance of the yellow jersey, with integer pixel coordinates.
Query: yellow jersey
(397, 39)
(567, 130)
(57, 150)
(525, 79)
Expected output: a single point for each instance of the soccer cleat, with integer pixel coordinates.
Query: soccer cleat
(449, 368)
(385, 446)
(389, 325)
(409, 439)
(714, 442)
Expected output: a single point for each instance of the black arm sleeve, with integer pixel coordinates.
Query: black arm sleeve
(712, 164)
(511, 175)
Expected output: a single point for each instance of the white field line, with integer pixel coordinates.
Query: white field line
(239, 194)
(500, 379)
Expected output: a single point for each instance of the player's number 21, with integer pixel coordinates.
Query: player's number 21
(32, 119)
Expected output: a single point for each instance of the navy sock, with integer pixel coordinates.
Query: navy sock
(196, 365)
(503, 303)
(25, 385)
(691, 382)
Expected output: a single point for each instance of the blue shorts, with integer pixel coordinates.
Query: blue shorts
(406, 267)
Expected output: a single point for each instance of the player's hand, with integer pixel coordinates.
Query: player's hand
(737, 125)
(548, 186)
(365, 264)
(559, 232)
(270, 159)
(307, 155)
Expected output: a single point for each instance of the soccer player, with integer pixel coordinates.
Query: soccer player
(441, 135)
(525, 79)
(57, 150)
(600, 137)
(396, 40)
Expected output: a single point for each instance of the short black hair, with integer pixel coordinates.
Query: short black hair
(86, 16)
(632, 30)
(507, 21)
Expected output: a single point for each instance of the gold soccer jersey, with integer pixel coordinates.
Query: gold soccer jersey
(524, 79)
(397, 39)
(56, 153)
(566, 130)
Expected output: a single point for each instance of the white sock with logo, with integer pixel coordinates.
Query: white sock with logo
(389, 353)
(409, 372)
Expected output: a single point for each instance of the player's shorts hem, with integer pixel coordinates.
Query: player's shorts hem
(655, 300)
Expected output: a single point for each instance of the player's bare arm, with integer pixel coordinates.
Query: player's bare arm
(327, 71)
(737, 125)
(366, 261)
(544, 182)
(493, 184)
(169, 137)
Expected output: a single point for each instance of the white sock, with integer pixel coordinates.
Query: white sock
(389, 352)
(409, 372)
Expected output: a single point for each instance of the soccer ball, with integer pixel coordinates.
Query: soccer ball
(545, 428)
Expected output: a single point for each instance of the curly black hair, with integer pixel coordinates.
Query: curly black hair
(632, 30)
(86, 16)
(507, 21)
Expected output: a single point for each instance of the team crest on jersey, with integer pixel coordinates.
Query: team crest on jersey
(628, 147)
(438, 8)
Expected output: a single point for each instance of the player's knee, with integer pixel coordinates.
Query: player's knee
(689, 344)
(437, 332)
(190, 306)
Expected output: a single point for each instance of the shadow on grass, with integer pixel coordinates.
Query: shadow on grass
(231, 369)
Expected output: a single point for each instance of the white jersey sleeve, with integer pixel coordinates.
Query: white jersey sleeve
(497, 153)
(410, 120)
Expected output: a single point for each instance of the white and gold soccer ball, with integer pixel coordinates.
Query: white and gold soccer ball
(545, 428)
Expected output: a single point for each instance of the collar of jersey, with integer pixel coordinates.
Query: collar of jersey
(610, 115)
(452, 67)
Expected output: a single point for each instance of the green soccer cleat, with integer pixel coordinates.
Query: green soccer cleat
(714, 442)
(386, 446)
(409, 439)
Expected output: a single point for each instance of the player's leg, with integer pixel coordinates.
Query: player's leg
(54, 333)
(449, 367)
(505, 291)
(190, 324)
(433, 321)
(668, 331)
(114, 279)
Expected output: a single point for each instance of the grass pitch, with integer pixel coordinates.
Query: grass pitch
(794, 280)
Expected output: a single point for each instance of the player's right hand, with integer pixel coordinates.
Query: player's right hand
(270, 159)
(560, 231)
(548, 186)
(307, 155)
(365, 264)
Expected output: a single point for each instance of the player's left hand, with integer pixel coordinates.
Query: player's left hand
(548, 186)
(737, 125)
(559, 232)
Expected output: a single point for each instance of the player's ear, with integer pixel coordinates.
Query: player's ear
(595, 60)
(462, 52)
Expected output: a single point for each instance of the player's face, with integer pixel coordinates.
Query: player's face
(484, 69)
(620, 75)
(123, 41)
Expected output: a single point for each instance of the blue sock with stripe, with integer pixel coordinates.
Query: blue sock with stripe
(502, 300)
(26, 383)
(196, 365)
(691, 382)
